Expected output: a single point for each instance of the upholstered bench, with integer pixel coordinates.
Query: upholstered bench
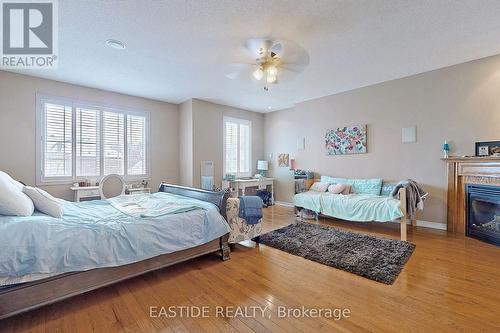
(240, 230)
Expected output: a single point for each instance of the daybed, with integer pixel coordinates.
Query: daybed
(95, 245)
(370, 201)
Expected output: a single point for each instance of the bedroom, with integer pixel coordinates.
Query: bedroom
(140, 142)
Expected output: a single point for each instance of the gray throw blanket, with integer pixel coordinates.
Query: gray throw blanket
(251, 209)
(415, 196)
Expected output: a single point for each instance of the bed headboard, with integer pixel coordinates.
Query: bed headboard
(217, 198)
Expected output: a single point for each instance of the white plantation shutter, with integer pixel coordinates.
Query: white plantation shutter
(80, 141)
(113, 142)
(136, 145)
(237, 146)
(88, 147)
(244, 148)
(57, 141)
(231, 147)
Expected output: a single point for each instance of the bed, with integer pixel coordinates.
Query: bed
(98, 243)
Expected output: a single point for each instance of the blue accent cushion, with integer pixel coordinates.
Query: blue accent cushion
(387, 189)
(361, 186)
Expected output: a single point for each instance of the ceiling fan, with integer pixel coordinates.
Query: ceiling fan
(270, 61)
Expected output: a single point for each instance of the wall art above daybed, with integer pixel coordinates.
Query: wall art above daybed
(346, 140)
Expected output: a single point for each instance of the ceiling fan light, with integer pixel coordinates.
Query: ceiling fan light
(272, 71)
(271, 78)
(258, 74)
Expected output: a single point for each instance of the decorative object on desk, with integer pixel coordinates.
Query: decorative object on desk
(488, 148)
(446, 149)
(262, 167)
(346, 140)
(229, 177)
(309, 174)
(283, 160)
(298, 174)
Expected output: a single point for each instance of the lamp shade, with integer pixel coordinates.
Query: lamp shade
(262, 165)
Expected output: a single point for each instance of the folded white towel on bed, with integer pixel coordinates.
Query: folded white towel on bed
(151, 205)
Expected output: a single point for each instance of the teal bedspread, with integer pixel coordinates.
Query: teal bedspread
(352, 207)
(95, 234)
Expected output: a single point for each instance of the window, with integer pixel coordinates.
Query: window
(81, 141)
(237, 147)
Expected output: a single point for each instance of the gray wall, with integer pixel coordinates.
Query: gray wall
(460, 104)
(18, 117)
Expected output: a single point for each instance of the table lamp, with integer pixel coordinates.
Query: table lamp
(262, 167)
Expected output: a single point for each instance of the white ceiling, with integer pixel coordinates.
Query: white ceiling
(179, 49)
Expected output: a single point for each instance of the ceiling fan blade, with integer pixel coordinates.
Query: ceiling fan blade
(258, 47)
(277, 48)
(293, 53)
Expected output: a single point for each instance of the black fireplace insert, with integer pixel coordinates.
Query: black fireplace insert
(483, 212)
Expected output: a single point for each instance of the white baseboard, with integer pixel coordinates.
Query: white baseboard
(420, 223)
(428, 224)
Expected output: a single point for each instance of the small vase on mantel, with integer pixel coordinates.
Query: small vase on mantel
(446, 149)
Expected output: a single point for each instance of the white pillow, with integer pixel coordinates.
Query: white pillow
(44, 202)
(319, 187)
(14, 182)
(12, 199)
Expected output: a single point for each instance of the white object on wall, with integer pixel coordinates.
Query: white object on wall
(409, 134)
(207, 175)
(301, 143)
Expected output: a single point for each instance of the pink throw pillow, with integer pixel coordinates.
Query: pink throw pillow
(319, 187)
(339, 189)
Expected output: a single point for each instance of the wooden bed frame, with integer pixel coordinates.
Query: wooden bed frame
(31, 295)
(402, 222)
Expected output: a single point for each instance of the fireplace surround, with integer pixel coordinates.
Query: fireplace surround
(462, 172)
(483, 212)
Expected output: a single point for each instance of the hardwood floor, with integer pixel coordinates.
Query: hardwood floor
(451, 283)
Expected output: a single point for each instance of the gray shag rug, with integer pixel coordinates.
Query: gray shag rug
(376, 258)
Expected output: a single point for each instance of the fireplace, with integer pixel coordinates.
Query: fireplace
(483, 212)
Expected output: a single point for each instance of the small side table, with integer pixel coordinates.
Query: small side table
(86, 192)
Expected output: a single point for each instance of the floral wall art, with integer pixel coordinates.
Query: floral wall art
(346, 140)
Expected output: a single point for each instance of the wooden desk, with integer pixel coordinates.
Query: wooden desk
(242, 184)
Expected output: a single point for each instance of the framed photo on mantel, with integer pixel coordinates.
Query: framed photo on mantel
(488, 148)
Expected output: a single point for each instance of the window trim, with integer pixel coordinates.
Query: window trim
(238, 121)
(76, 103)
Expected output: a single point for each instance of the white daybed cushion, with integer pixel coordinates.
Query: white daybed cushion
(44, 202)
(12, 199)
